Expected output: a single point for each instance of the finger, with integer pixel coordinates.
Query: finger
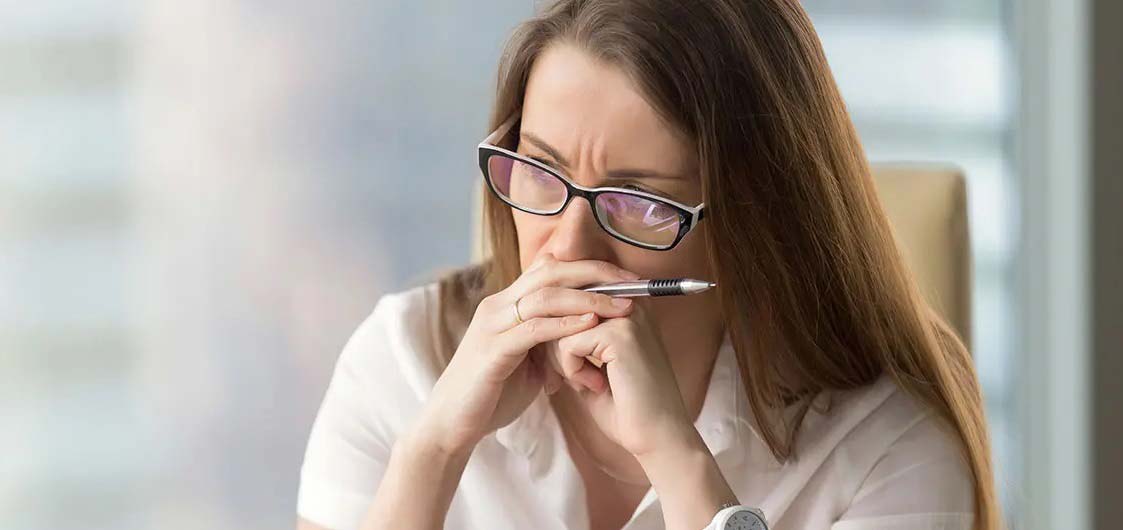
(552, 361)
(562, 301)
(580, 355)
(591, 377)
(553, 272)
(517, 341)
(564, 364)
(585, 344)
(574, 373)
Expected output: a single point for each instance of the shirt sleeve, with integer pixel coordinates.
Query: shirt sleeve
(349, 446)
(922, 482)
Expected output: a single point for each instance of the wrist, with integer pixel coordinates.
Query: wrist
(673, 467)
(419, 483)
(672, 443)
(416, 452)
(429, 438)
(688, 481)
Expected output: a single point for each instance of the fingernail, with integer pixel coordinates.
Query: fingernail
(586, 317)
(629, 275)
(621, 303)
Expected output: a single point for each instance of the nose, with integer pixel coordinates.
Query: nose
(576, 234)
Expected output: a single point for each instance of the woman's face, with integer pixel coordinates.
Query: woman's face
(586, 119)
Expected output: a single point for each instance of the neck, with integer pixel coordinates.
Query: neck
(693, 367)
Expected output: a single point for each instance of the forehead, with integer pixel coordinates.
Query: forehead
(582, 105)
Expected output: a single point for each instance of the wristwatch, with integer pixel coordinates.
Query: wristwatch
(738, 517)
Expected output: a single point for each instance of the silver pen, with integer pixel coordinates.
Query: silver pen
(667, 287)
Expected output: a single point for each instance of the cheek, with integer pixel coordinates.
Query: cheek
(695, 259)
(688, 259)
(532, 232)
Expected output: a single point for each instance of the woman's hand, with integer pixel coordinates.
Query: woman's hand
(641, 408)
(491, 378)
(638, 405)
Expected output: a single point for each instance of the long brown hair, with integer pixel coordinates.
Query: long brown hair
(814, 291)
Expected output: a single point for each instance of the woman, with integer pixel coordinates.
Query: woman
(813, 383)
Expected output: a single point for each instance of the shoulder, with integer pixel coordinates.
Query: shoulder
(377, 389)
(873, 419)
(384, 374)
(898, 447)
(895, 418)
(404, 316)
(397, 339)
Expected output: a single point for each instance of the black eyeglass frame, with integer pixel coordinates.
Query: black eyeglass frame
(688, 216)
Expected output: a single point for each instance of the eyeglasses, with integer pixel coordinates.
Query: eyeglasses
(636, 217)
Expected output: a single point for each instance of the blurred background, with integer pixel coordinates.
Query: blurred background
(200, 201)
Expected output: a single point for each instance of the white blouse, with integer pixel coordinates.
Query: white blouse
(876, 460)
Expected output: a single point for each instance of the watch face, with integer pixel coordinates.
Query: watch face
(745, 520)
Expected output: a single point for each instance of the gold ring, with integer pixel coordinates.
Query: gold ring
(515, 306)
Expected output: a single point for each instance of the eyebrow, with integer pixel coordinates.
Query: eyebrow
(613, 174)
